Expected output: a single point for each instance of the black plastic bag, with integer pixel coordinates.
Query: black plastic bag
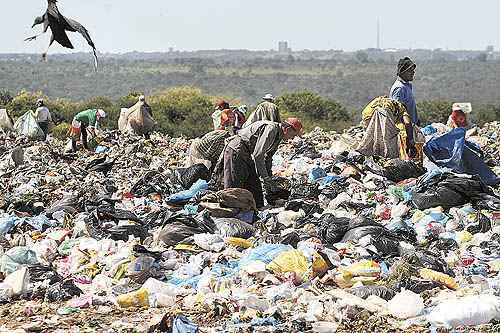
(152, 182)
(179, 226)
(365, 291)
(40, 273)
(62, 291)
(482, 224)
(110, 213)
(122, 232)
(303, 190)
(189, 176)
(308, 206)
(398, 170)
(291, 238)
(282, 193)
(331, 229)
(416, 285)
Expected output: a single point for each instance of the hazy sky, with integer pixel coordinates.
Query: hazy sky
(156, 25)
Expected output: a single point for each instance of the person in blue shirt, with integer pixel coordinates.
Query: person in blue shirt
(402, 91)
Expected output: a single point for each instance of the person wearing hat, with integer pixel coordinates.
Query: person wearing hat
(402, 91)
(43, 117)
(266, 110)
(88, 119)
(248, 156)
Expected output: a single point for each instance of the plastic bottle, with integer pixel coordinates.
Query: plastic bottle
(138, 298)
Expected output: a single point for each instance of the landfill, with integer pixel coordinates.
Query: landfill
(129, 239)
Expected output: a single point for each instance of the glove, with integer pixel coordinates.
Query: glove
(270, 185)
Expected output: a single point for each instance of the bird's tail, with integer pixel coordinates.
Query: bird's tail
(96, 61)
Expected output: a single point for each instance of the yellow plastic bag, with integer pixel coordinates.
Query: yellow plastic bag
(238, 242)
(368, 268)
(294, 261)
(442, 278)
(138, 298)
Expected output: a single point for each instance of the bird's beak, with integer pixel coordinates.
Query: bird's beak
(33, 25)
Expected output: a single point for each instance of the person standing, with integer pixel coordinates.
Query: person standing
(88, 119)
(43, 117)
(248, 156)
(402, 89)
(266, 110)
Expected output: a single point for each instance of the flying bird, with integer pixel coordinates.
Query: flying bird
(59, 25)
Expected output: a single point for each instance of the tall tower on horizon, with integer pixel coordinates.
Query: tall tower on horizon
(378, 33)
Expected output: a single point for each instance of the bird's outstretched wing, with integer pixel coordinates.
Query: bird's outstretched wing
(77, 27)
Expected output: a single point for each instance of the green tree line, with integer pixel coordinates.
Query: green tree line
(187, 110)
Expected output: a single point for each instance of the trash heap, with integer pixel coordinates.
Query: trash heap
(127, 240)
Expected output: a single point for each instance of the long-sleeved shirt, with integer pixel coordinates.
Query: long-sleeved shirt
(87, 117)
(264, 111)
(211, 145)
(42, 115)
(402, 91)
(258, 141)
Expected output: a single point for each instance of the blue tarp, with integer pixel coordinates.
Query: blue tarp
(452, 151)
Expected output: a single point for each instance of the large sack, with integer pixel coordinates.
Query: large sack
(136, 120)
(233, 198)
(27, 126)
(5, 121)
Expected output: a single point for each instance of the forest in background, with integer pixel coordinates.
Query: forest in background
(325, 92)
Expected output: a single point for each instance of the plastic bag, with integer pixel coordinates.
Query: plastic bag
(406, 304)
(398, 170)
(467, 311)
(332, 229)
(5, 121)
(231, 227)
(138, 298)
(295, 261)
(188, 176)
(209, 242)
(16, 257)
(442, 278)
(365, 291)
(198, 186)
(27, 126)
(233, 198)
(7, 223)
(265, 253)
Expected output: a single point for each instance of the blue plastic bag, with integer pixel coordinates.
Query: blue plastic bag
(199, 186)
(451, 150)
(8, 223)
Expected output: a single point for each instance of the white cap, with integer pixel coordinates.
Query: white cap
(40, 100)
(101, 113)
(142, 98)
(268, 97)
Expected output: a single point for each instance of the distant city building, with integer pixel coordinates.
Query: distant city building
(490, 48)
(170, 49)
(283, 47)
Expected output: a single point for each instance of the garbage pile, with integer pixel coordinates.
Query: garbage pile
(128, 239)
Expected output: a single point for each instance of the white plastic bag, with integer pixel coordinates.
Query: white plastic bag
(27, 126)
(467, 311)
(210, 242)
(5, 121)
(406, 304)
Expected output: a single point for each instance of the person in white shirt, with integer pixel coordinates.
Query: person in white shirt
(42, 116)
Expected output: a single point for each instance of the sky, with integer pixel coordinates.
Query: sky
(119, 26)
